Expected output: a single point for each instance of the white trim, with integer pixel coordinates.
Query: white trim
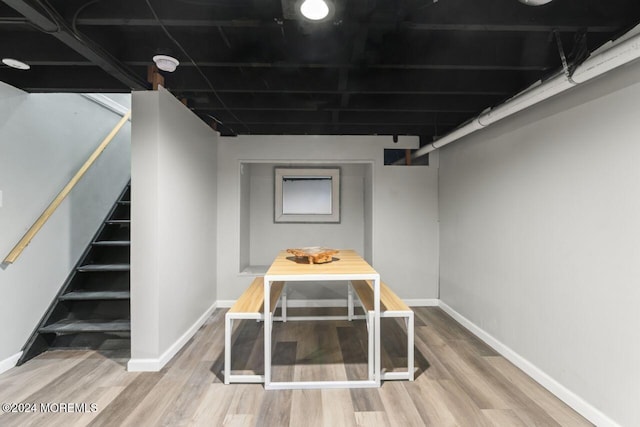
(144, 365)
(154, 365)
(107, 103)
(225, 303)
(9, 362)
(422, 302)
(561, 392)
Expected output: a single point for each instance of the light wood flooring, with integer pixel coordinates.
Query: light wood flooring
(459, 382)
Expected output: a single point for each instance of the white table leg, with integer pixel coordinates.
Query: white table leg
(228, 330)
(284, 303)
(410, 346)
(370, 355)
(349, 302)
(267, 332)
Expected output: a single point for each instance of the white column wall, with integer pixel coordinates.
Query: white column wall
(173, 242)
(540, 241)
(44, 140)
(404, 200)
(406, 230)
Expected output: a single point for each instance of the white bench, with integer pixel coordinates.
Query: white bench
(390, 306)
(250, 305)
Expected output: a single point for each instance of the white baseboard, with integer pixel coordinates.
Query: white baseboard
(561, 392)
(9, 362)
(154, 365)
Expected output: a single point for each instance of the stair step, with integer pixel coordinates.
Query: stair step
(118, 221)
(68, 326)
(96, 295)
(104, 267)
(112, 243)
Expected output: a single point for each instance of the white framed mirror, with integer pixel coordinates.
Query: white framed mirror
(307, 195)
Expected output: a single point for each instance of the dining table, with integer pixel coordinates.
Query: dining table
(345, 265)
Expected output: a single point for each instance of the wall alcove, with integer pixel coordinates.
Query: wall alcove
(261, 237)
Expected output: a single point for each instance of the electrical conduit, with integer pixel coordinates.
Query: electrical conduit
(622, 51)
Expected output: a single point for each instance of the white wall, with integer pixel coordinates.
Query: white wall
(540, 241)
(44, 139)
(404, 203)
(173, 241)
(406, 229)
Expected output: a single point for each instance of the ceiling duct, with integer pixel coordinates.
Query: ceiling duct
(622, 51)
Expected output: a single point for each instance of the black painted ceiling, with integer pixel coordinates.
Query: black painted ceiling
(405, 67)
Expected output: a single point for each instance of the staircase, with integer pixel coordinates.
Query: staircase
(92, 309)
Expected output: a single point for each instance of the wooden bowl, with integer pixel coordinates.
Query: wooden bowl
(314, 254)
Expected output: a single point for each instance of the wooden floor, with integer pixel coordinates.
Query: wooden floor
(459, 382)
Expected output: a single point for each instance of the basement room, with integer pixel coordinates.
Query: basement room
(320, 213)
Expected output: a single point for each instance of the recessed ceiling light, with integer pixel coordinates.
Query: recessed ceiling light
(315, 10)
(166, 63)
(534, 2)
(14, 63)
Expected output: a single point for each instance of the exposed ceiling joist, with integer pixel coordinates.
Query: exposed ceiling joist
(48, 22)
(406, 25)
(376, 67)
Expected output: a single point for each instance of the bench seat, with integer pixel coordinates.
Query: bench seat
(390, 306)
(252, 299)
(250, 305)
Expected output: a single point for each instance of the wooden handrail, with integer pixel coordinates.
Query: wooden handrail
(37, 225)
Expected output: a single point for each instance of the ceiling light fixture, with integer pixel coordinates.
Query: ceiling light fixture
(14, 63)
(166, 63)
(534, 2)
(314, 10)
